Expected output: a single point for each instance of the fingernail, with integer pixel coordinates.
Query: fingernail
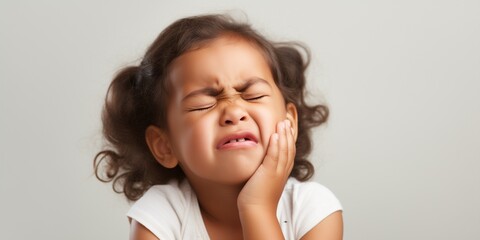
(287, 123)
(275, 136)
(281, 125)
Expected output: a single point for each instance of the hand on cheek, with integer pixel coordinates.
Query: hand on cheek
(264, 188)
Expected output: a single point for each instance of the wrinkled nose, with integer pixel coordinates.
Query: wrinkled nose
(232, 115)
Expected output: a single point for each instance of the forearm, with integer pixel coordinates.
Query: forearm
(260, 224)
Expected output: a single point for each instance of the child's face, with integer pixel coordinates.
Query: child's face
(222, 92)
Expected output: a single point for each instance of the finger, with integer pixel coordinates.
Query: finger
(270, 160)
(282, 144)
(291, 147)
(287, 145)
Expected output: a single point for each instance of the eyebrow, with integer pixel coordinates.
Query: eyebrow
(251, 81)
(211, 91)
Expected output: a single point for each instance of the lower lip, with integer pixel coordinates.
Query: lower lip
(238, 145)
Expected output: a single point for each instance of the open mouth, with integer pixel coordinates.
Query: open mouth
(238, 140)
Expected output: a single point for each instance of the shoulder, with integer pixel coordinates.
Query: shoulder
(163, 199)
(310, 203)
(162, 208)
(306, 192)
(174, 190)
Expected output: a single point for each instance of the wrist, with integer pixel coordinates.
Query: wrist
(258, 214)
(259, 208)
(259, 222)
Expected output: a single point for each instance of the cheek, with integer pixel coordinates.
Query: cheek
(191, 136)
(267, 119)
(199, 133)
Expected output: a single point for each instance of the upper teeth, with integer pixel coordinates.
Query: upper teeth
(237, 140)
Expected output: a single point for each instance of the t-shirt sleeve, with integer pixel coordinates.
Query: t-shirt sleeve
(313, 203)
(151, 212)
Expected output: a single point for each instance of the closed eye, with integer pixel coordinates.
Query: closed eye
(255, 98)
(200, 109)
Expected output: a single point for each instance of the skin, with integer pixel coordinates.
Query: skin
(220, 91)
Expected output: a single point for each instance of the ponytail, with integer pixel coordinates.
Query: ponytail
(127, 160)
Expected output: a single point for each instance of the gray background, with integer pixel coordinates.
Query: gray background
(402, 79)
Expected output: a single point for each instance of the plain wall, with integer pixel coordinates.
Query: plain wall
(402, 79)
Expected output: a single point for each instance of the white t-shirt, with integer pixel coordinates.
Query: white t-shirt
(171, 211)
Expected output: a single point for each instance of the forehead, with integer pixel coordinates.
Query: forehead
(223, 61)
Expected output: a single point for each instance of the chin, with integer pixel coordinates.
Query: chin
(241, 174)
(237, 180)
(238, 168)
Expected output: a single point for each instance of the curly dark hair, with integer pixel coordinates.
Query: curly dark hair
(138, 95)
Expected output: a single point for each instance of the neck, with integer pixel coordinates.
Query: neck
(218, 202)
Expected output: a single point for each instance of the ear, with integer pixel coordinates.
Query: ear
(159, 144)
(293, 118)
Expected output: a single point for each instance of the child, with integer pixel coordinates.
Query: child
(210, 135)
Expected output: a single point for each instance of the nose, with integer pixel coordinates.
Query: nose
(233, 114)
